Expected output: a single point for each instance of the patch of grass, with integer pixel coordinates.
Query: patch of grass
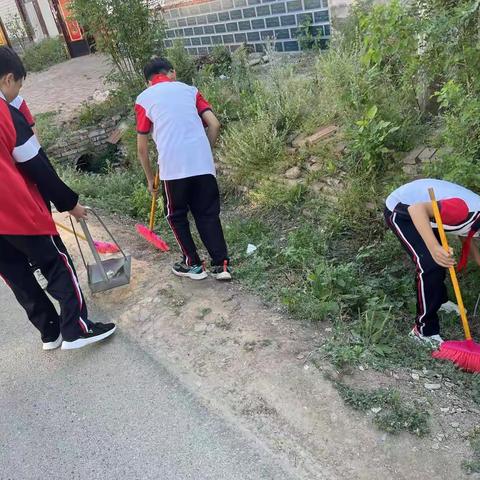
(47, 129)
(391, 414)
(44, 54)
(473, 465)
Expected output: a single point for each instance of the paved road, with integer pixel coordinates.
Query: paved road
(109, 412)
(85, 74)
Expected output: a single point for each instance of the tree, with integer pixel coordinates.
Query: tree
(127, 30)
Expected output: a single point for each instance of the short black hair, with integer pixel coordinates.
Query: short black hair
(10, 63)
(157, 66)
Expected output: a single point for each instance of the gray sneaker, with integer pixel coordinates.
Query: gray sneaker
(195, 272)
(222, 272)
(433, 341)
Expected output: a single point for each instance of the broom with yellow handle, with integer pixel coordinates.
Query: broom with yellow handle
(464, 353)
(100, 247)
(147, 232)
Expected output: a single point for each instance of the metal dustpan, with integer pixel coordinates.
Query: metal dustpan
(105, 274)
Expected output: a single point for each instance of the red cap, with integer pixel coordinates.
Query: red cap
(453, 211)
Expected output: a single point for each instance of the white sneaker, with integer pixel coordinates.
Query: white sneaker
(449, 307)
(432, 340)
(53, 345)
(42, 281)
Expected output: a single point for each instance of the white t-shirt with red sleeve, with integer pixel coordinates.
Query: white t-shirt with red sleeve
(171, 111)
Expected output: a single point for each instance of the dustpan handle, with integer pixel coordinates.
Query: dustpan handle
(78, 243)
(107, 230)
(91, 244)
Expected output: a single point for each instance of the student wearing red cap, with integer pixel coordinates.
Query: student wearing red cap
(409, 215)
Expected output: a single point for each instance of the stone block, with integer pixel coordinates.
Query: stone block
(312, 4)
(288, 20)
(282, 34)
(272, 22)
(321, 134)
(427, 154)
(263, 10)
(244, 25)
(294, 6)
(258, 24)
(278, 8)
(291, 46)
(241, 37)
(232, 27)
(236, 14)
(221, 28)
(411, 158)
(267, 34)
(253, 36)
(322, 16)
(224, 16)
(249, 12)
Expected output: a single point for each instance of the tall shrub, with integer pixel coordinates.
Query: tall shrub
(127, 30)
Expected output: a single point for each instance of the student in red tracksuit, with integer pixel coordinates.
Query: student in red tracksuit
(176, 115)
(409, 214)
(27, 230)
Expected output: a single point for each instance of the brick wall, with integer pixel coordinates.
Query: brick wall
(204, 25)
(89, 140)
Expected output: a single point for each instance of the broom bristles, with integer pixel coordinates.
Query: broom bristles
(106, 247)
(465, 354)
(152, 238)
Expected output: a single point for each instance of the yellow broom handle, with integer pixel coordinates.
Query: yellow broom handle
(63, 227)
(453, 273)
(154, 201)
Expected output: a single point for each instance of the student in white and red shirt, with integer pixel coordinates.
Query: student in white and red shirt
(27, 230)
(184, 129)
(409, 213)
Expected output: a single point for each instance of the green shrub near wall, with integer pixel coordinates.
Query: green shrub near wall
(44, 54)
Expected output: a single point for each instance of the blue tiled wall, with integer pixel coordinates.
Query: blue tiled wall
(234, 22)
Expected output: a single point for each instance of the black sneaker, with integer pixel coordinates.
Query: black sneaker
(98, 332)
(222, 272)
(195, 272)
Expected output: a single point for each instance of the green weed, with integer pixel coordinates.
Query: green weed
(44, 54)
(391, 414)
(473, 465)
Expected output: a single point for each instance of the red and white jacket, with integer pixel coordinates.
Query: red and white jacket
(28, 180)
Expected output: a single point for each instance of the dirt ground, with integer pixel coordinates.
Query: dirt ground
(254, 365)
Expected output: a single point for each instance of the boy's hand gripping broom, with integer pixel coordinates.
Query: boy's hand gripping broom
(148, 233)
(465, 354)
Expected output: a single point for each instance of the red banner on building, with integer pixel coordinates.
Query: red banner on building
(73, 28)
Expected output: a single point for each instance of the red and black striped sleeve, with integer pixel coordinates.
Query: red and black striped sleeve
(34, 163)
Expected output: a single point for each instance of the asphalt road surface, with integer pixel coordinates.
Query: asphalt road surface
(109, 412)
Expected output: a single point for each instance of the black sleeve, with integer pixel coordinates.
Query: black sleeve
(34, 163)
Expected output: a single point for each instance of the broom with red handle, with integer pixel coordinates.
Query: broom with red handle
(147, 232)
(465, 353)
